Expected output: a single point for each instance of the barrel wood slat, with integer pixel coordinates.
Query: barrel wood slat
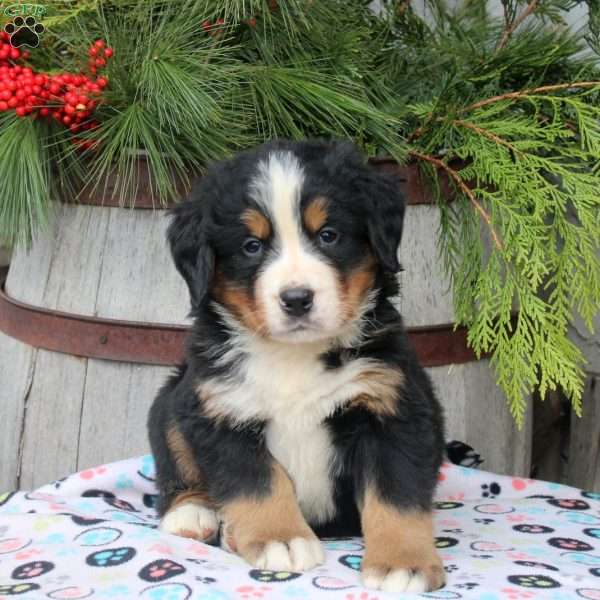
(114, 263)
(583, 468)
(78, 266)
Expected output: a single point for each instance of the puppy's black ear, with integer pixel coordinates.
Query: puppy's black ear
(385, 205)
(188, 238)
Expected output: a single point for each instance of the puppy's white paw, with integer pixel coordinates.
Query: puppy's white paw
(298, 554)
(191, 521)
(399, 580)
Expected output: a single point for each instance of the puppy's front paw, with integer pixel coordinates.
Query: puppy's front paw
(417, 576)
(297, 554)
(191, 521)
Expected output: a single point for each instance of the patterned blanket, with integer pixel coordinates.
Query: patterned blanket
(93, 535)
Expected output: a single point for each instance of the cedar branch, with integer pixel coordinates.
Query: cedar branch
(485, 133)
(513, 25)
(538, 90)
(464, 188)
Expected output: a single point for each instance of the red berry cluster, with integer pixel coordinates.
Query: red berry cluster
(6, 50)
(68, 98)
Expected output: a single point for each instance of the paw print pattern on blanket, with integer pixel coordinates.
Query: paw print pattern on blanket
(32, 569)
(110, 557)
(529, 541)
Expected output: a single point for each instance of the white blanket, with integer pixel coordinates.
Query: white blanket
(93, 535)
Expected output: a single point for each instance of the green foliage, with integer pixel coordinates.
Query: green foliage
(493, 103)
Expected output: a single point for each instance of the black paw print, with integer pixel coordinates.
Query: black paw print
(161, 569)
(32, 569)
(484, 521)
(569, 503)
(450, 568)
(206, 580)
(534, 581)
(532, 528)
(490, 491)
(24, 32)
(470, 585)
(456, 531)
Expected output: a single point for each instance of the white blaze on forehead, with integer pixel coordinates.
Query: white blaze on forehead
(277, 189)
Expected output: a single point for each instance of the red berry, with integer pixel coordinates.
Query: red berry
(93, 51)
(69, 109)
(21, 111)
(5, 95)
(108, 52)
(102, 82)
(67, 120)
(3, 106)
(100, 43)
(14, 53)
(100, 62)
(44, 112)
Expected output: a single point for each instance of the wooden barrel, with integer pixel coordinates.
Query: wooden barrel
(95, 312)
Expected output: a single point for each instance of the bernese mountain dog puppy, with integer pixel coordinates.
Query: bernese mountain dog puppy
(301, 410)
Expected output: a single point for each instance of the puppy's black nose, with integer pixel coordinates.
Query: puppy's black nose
(296, 301)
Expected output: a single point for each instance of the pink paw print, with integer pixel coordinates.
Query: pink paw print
(518, 556)
(247, 592)
(26, 554)
(90, 473)
(513, 594)
(197, 549)
(516, 518)
(363, 596)
(161, 549)
(456, 497)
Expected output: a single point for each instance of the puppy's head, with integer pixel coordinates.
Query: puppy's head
(289, 238)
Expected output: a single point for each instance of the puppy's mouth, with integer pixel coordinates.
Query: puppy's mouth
(300, 331)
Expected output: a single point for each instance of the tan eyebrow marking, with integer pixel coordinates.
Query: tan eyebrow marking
(315, 214)
(258, 225)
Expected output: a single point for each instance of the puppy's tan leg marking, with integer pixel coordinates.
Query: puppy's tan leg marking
(270, 532)
(191, 513)
(183, 456)
(400, 551)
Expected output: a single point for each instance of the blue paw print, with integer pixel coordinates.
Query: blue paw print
(147, 469)
(351, 560)
(116, 591)
(171, 591)
(296, 592)
(110, 557)
(123, 482)
(347, 545)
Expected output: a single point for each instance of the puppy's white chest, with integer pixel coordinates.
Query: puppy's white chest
(307, 454)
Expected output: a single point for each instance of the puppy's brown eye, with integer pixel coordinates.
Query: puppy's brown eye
(328, 236)
(252, 247)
